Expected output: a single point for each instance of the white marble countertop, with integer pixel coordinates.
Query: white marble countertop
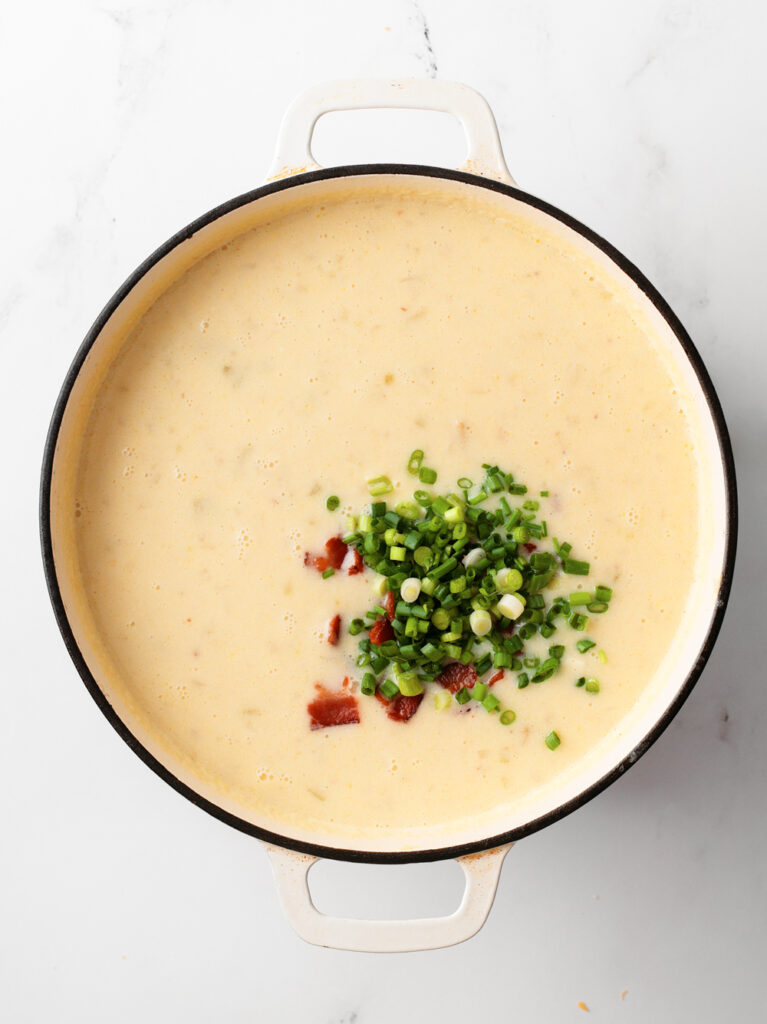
(123, 121)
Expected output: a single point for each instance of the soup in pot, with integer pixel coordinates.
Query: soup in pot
(237, 431)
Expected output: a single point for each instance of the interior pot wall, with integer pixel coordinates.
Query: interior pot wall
(620, 748)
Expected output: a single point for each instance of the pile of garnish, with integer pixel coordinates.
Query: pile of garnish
(462, 585)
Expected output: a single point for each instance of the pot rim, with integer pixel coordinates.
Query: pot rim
(561, 810)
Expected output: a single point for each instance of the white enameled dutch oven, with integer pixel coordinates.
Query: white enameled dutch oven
(480, 854)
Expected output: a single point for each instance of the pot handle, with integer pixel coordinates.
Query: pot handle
(294, 143)
(291, 872)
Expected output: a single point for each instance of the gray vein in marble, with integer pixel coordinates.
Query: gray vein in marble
(658, 158)
(426, 54)
(643, 67)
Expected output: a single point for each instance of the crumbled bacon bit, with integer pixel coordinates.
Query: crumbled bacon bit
(388, 603)
(335, 549)
(318, 562)
(355, 562)
(530, 547)
(400, 708)
(334, 629)
(455, 676)
(335, 553)
(494, 679)
(381, 631)
(328, 709)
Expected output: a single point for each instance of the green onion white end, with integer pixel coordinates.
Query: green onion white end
(474, 556)
(480, 621)
(410, 589)
(511, 606)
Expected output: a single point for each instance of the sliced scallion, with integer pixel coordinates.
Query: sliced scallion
(552, 741)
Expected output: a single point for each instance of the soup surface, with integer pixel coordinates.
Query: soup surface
(304, 357)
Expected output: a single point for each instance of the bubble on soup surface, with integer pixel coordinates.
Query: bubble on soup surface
(243, 541)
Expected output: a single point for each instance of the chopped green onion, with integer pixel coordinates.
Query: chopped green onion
(484, 663)
(442, 699)
(491, 702)
(414, 462)
(546, 670)
(575, 568)
(602, 657)
(580, 681)
(379, 485)
(508, 581)
(540, 580)
(407, 509)
(368, 684)
(410, 589)
(592, 686)
(480, 622)
(409, 684)
(389, 689)
(441, 618)
(458, 573)
(423, 556)
(478, 498)
(552, 741)
(328, 573)
(446, 567)
(507, 717)
(479, 692)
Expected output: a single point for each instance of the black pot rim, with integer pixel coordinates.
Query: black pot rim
(399, 856)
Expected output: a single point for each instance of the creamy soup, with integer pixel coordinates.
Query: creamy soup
(301, 359)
